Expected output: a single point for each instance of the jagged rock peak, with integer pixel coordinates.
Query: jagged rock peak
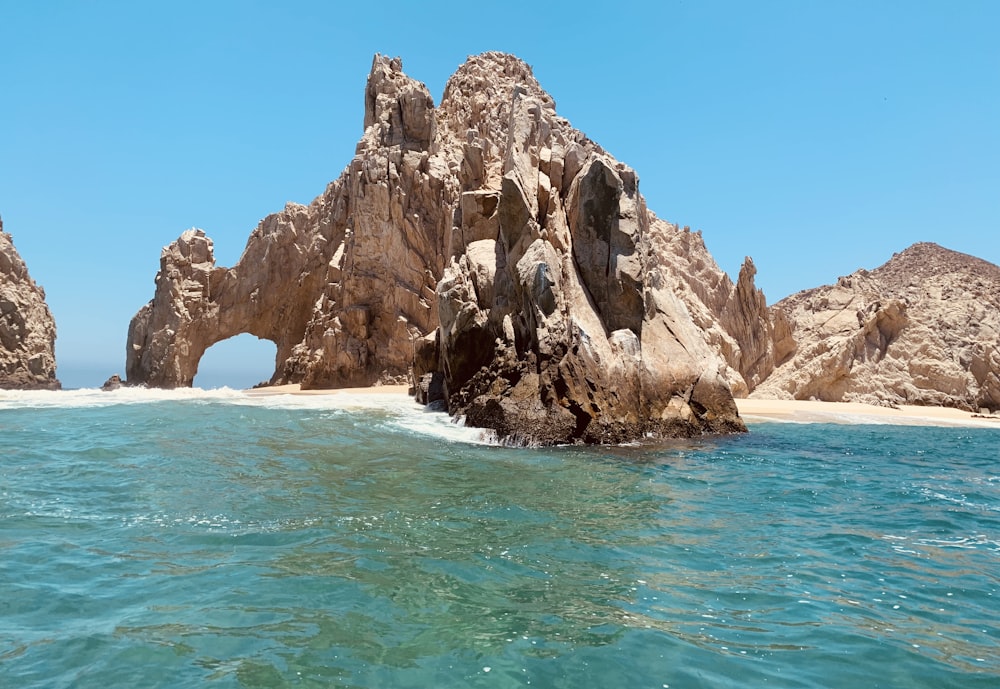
(27, 329)
(746, 318)
(399, 111)
(923, 328)
(927, 260)
(481, 91)
(343, 286)
(559, 322)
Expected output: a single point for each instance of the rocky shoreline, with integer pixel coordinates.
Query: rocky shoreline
(485, 242)
(494, 258)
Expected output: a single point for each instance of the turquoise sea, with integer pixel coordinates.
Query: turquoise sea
(211, 539)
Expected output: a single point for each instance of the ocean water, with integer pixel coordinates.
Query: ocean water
(211, 539)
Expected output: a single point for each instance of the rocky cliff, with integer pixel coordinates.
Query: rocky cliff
(922, 329)
(558, 319)
(486, 241)
(27, 329)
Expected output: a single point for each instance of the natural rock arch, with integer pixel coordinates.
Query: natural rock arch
(198, 304)
(343, 286)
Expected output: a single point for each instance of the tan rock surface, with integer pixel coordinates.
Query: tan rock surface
(923, 329)
(734, 317)
(560, 320)
(27, 329)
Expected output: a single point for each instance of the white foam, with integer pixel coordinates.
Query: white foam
(95, 397)
(402, 411)
(439, 424)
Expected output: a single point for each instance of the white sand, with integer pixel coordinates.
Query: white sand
(752, 410)
(294, 389)
(802, 411)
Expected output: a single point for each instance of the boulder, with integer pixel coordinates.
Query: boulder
(113, 383)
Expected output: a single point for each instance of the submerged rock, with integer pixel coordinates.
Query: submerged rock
(27, 329)
(113, 383)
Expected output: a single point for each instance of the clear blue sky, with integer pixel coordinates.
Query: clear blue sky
(816, 137)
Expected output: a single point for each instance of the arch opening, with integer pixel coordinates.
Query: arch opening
(238, 362)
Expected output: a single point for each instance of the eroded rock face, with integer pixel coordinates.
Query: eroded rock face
(559, 320)
(488, 242)
(390, 210)
(922, 329)
(27, 329)
(734, 318)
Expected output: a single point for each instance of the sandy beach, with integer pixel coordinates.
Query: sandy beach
(294, 389)
(754, 410)
(806, 411)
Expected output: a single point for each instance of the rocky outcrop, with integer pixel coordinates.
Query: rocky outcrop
(27, 329)
(734, 318)
(496, 253)
(113, 383)
(197, 303)
(922, 329)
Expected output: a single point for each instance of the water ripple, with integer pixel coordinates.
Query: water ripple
(194, 542)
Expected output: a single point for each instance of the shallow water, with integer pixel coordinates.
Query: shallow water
(194, 539)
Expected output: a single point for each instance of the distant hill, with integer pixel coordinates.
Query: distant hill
(924, 328)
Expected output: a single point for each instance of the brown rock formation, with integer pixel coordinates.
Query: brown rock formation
(567, 311)
(27, 329)
(922, 329)
(343, 287)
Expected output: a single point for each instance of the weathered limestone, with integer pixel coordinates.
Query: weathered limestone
(268, 294)
(733, 318)
(392, 207)
(922, 329)
(27, 329)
